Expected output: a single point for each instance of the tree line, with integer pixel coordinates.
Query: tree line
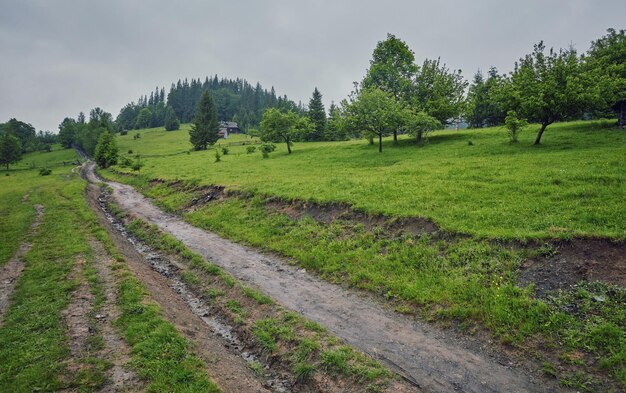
(235, 100)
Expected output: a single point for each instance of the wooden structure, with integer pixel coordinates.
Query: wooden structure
(228, 127)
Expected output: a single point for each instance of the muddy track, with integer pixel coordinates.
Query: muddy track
(10, 272)
(116, 350)
(226, 367)
(432, 359)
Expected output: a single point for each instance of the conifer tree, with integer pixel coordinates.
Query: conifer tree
(204, 130)
(171, 121)
(317, 115)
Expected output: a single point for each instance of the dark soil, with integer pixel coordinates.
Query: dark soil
(567, 263)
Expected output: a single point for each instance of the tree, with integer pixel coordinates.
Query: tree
(514, 125)
(10, 150)
(24, 132)
(67, 132)
(392, 70)
(375, 113)
(106, 150)
(606, 62)
(171, 121)
(144, 118)
(335, 126)
(482, 106)
(317, 115)
(284, 127)
(419, 124)
(439, 91)
(204, 130)
(551, 87)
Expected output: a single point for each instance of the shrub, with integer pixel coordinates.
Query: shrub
(218, 156)
(124, 132)
(225, 150)
(267, 148)
(514, 125)
(250, 149)
(44, 172)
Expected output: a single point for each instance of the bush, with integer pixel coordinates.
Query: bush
(124, 132)
(137, 136)
(267, 148)
(125, 162)
(130, 151)
(218, 157)
(250, 149)
(225, 150)
(45, 172)
(514, 125)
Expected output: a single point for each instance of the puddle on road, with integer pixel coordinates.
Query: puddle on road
(167, 269)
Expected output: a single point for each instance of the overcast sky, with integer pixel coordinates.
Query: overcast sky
(60, 57)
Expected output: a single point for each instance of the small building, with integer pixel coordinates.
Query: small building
(228, 127)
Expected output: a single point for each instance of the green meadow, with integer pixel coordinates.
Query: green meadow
(470, 181)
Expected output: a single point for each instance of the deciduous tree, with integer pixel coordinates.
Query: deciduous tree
(549, 87)
(10, 150)
(106, 150)
(375, 114)
(284, 127)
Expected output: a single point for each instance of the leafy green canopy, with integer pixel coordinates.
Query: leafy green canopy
(10, 150)
(285, 127)
(106, 150)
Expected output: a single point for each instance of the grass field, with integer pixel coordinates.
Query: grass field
(572, 185)
(34, 342)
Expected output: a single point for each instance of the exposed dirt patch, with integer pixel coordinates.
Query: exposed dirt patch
(10, 272)
(567, 263)
(434, 359)
(327, 213)
(116, 351)
(76, 319)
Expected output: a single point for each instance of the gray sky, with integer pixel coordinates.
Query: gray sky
(61, 57)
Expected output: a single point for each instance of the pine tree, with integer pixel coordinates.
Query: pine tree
(317, 115)
(171, 121)
(204, 130)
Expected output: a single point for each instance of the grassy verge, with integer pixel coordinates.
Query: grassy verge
(302, 347)
(33, 346)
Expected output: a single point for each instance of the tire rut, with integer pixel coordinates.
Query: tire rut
(116, 351)
(431, 358)
(10, 273)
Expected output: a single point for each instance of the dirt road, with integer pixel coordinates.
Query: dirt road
(433, 359)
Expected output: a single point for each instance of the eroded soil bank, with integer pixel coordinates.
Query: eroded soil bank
(435, 360)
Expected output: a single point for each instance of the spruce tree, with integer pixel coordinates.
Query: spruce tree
(171, 121)
(317, 115)
(205, 128)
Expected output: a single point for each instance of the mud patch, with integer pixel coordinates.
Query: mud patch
(76, 319)
(10, 272)
(564, 264)
(116, 351)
